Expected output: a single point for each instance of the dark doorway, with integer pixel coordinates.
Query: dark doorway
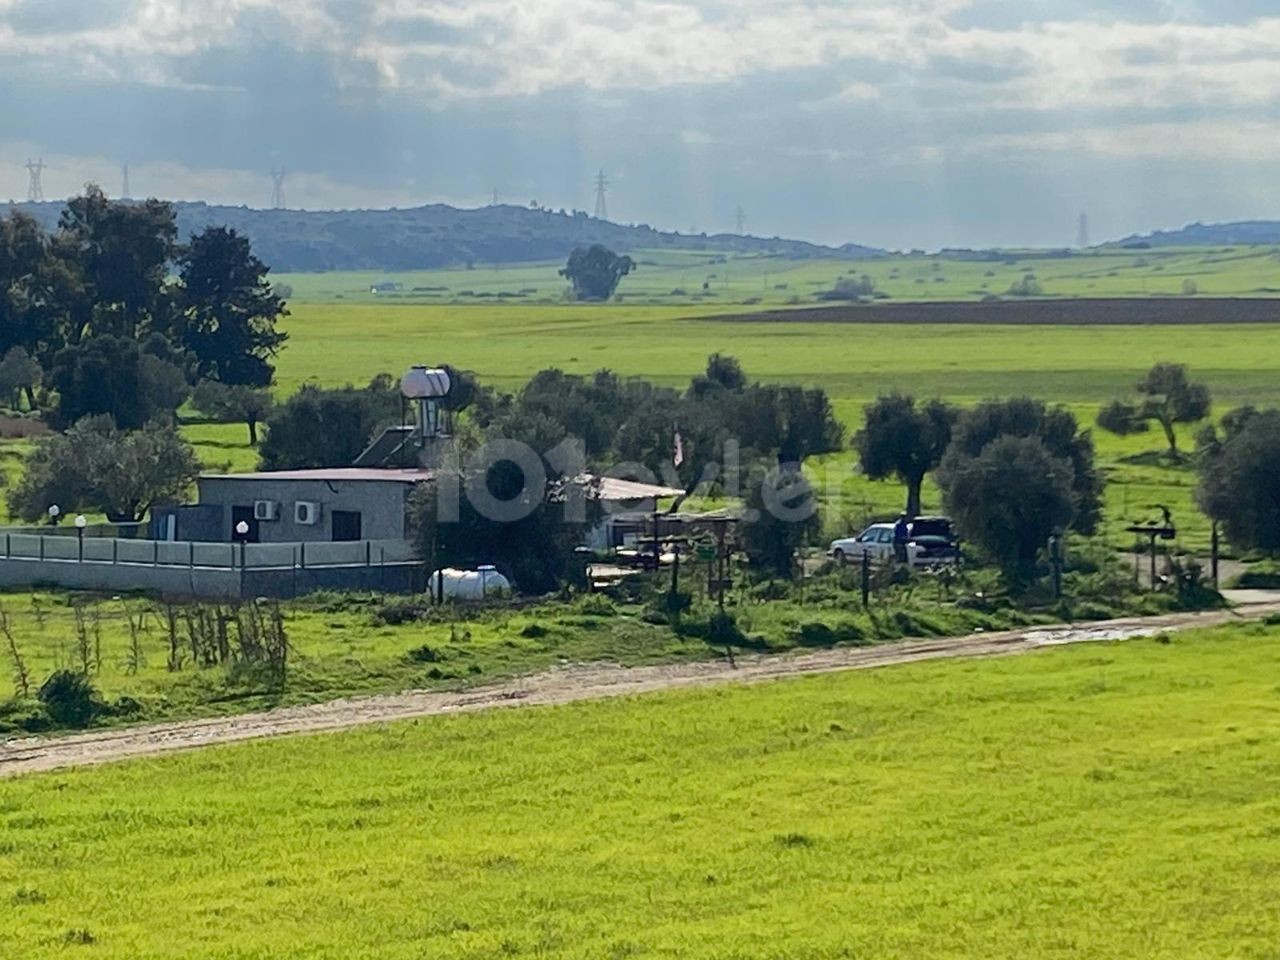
(346, 524)
(243, 515)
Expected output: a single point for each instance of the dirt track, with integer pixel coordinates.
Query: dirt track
(581, 682)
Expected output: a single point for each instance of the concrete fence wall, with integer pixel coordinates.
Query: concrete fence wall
(212, 570)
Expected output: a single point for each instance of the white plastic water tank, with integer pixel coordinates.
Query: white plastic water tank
(425, 383)
(479, 584)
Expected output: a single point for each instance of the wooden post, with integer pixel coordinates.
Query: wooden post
(866, 579)
(1214, 548)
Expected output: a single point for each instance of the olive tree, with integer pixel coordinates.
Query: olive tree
(900, 439)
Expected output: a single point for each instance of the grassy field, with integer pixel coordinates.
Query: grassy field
(341, 332)
(1109, 801)
(672, 277)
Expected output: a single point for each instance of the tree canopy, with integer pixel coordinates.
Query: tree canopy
(595, 272)
(328, 427)
(1168, 398)
(227, 310)
(1009, 498)
(1056, 427)
(1237, 484)
(95, 466)
(900, 439)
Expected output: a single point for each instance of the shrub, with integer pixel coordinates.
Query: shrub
(69, 699)
(597, 605)
(424, 654)
(722, 630)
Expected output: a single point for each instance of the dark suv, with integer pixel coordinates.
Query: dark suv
(935, 540)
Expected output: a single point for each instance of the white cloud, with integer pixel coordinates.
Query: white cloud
(458, 49)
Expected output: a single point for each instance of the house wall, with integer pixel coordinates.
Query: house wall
(381, 505)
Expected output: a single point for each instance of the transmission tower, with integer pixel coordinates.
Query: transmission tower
(493, 201)
(740, 220)
(277, 188)
(602, 185)
(124, 186)
(35, 190)
(1082, 235)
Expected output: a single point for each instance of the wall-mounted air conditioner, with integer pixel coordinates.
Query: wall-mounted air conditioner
(266, 510)
(306, 513)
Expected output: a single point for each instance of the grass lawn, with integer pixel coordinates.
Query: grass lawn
(1108, 801)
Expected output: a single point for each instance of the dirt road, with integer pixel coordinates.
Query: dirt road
(579, 682)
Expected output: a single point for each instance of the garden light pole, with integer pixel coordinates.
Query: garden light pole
(81, 523)
(242, 530)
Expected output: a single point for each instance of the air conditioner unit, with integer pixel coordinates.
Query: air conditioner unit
(266, 510)
(306, 513)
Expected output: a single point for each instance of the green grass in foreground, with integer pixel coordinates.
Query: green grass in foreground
(1108, 801)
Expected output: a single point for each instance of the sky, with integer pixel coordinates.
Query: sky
(895, 123)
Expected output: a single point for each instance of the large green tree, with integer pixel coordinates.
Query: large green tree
(1056, 427)
(1169, 398)
(1238, 470)
(121, 253)
(328, 427)
(903, 440)
(595, 272)
(116, 377)
(227, 309)
(94, 466)
(1009, 498)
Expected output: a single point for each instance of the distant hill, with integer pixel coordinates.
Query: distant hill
(444, 236)
(1240, 233)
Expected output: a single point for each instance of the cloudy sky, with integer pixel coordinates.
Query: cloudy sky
(901, 123)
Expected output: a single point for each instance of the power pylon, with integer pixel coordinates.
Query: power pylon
(740, 220)
(493, 200)
(124, 186)
(35, 189)
(1082, 235)
(602, 185)
(277, 187)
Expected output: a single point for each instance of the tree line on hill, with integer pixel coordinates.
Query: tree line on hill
(439, 236)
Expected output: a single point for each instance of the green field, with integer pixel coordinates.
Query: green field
(1108, 801)
(678, 277)
(1081, 366)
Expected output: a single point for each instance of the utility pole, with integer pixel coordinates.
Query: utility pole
(740, 221)
(124, 186)
(1082, 235)
(277, 187)
(602, 186)
(35, 189)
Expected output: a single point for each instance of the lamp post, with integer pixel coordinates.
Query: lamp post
(242, 531)
(81, 523)
(55, 512)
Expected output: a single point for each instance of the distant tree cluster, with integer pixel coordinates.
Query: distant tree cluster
(113, 292)
(108, 324)
(1012, 472)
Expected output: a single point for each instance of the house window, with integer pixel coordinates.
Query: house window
(346, 524)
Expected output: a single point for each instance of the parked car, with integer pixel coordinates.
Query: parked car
(931, 542)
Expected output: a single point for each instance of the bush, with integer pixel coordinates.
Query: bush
(69, 699)
(722, 630)
(597, 605)
(1261, 577)
(424, 654)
